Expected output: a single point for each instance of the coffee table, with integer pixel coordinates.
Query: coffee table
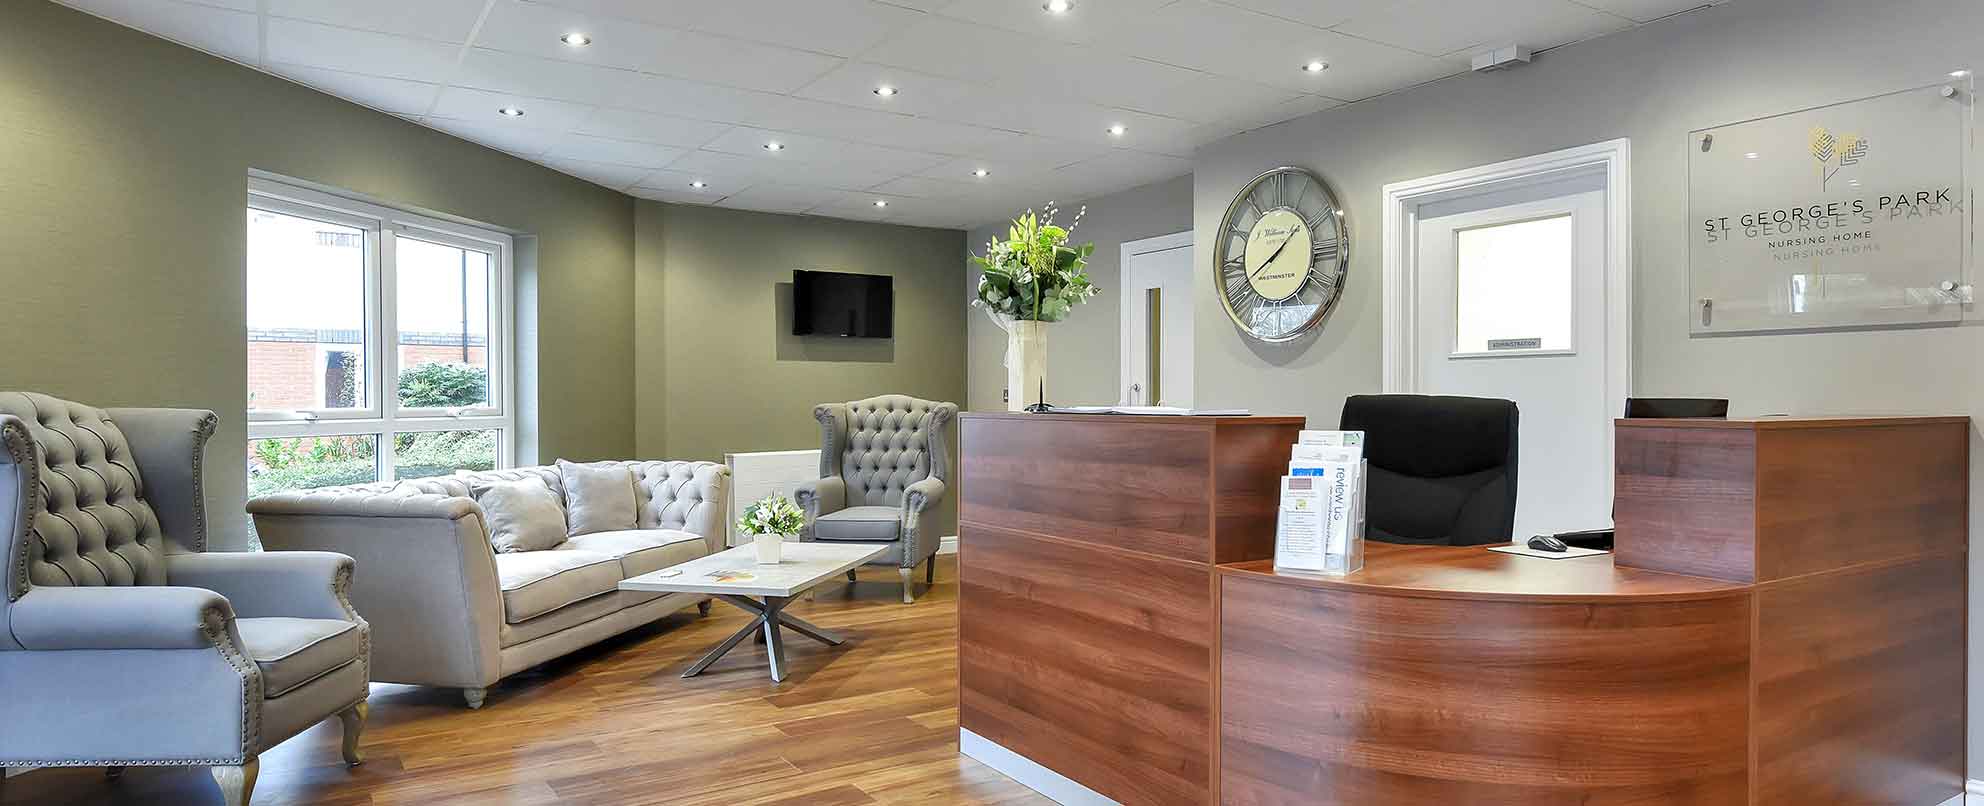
(804, 565)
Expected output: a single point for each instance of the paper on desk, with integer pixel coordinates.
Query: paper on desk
(1567, 553)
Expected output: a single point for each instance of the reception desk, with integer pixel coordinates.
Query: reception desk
(1782, 622)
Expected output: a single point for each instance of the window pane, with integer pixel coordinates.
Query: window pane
(306, 314)
(439, 453)
(1513, 283)
(444, 325)
(301, 463)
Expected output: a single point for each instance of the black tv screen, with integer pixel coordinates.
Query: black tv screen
(827, 303)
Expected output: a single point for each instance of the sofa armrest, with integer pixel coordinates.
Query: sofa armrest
(918, 498)
(169, 446)
(823, 496)
(140, 617)
(20, 499)
(289, 584)
(426, 584)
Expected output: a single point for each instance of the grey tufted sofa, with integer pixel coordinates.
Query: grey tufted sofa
(121, 642)
(448, 611)
(883, 464)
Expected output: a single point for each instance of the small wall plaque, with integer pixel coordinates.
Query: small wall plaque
(1533, 343)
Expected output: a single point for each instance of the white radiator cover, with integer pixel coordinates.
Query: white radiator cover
(756, 475)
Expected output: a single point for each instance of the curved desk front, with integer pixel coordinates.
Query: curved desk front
(1460, 675)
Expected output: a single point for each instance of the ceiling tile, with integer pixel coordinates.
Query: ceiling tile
(1647, 10)
(523, 142)
(225, 33)
(861, 206)
(533, 29)
(442, 20)
(646, 127)
(617, 177)
(1440, 27)
(805, 148)
(930, 189)
(680, 183)
(1234, 42)
(676, 13)
(755, 170)
(1117, 170)
(1087, 20)
(481, 105)
(839, 27)
(313, 45)
(396, 95)
(776, 198)
(621, 152)
(1315, 13)
(673, 196)
(541, 78)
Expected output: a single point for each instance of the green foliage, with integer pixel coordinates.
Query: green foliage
(301, 463)
(1035, 275)
(443, 386)
(772, 515)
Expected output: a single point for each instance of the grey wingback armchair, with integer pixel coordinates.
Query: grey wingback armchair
(122, 643)
(884, 462)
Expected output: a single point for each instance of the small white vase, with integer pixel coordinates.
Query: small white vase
(1026, 363)
(769, 548)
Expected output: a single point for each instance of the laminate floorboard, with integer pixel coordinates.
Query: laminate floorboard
(870, 722)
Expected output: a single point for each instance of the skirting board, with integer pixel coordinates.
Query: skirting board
(1057, 787)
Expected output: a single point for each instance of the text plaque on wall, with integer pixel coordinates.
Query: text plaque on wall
(1856, 214)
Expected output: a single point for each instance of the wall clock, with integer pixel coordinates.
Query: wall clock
(1281, 255)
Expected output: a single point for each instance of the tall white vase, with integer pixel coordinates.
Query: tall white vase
(1026, 363)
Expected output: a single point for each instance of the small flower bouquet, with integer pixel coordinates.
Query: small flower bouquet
(768, 521)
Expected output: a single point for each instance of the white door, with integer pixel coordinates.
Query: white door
(1511, 303)
(1157, 322)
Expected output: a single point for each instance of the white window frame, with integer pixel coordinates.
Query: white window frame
(382, 416)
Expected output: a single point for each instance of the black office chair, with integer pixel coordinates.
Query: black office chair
(1667, 408)
(1442, 469)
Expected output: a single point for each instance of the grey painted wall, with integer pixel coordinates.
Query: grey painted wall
(124, 163)
(1653, 85)
(1082, 361)
(719, 368)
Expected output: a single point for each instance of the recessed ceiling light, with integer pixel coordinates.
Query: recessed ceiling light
(1058, 6)
(981, 173)
(510, 112)
(1750, 156)
(774, 146)
(885, 91)
(1959, 73)
(576, 39)
(881, 202)
(699, 184)
(1117, 130)
(1316, 66)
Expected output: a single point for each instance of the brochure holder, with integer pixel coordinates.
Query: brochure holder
(1320, 527)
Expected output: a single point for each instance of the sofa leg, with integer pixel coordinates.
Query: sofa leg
(703, 607)
(930, 571)
(354, 727)
(237, 784)
(850, 576)
(474, 697)
(908, 585)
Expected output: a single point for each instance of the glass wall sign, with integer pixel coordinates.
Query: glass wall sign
(1856, 214)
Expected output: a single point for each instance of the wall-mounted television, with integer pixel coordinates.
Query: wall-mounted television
(828, 303)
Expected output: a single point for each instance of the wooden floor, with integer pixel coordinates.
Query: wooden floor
(871, 722)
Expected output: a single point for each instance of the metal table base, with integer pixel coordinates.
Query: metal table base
(771, 616)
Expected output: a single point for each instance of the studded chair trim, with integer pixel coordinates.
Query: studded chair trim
(93, 525)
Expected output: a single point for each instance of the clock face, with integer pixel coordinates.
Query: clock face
(1281, 255)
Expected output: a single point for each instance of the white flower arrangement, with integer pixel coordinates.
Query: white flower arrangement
(772, 515)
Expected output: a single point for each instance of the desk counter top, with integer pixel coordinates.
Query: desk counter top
(1474, 572)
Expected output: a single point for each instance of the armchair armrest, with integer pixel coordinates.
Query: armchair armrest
(919, 543)
(292, 584)
(169, 445)
(823, 496)
(20, 492)
(142, 617)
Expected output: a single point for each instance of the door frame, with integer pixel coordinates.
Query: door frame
(1402, 201)
(1126, 343)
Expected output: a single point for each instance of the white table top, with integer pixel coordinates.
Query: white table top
(801, 566)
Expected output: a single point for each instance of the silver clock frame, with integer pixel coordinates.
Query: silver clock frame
(1342, 273)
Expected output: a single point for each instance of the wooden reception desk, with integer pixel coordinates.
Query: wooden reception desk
(1782, 622)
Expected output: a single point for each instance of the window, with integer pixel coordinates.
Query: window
(1513, 287)
(378, 343)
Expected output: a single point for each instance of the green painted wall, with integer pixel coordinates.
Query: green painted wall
(715, 320)
(123, 168)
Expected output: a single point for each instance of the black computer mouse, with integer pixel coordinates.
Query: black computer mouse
(1546, 543)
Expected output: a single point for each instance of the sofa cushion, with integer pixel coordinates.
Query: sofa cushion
(584, 611)
(524, 515)
(598, 498)
(860, 524)
(538, 582)
(642, 550)
(294, 651)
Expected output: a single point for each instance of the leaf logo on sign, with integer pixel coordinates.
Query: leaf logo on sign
(1835, 151)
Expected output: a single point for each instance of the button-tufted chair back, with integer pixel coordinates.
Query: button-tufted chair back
(88, 521)
(881, 445)
(667, 494)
